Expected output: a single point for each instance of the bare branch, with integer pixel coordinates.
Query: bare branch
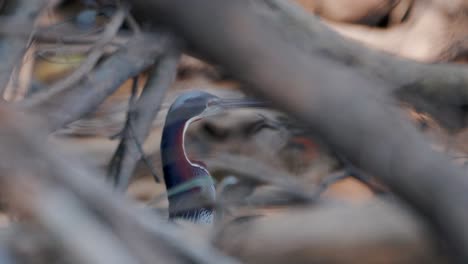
(74, 103)
(88, 64)
(140, 119)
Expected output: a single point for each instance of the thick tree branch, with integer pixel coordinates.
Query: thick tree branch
(439, 89)
(365, 234)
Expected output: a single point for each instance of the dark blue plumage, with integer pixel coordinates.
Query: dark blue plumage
(178, 169)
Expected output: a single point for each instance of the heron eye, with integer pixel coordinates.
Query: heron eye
(210, 102)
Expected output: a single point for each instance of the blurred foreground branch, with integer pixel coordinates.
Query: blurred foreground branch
(77, 212)
(379, 232)
(353, 114)
(13, 47)
(439, 89)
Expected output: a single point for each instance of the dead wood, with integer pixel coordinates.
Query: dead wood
(380, 232)
(258, 44)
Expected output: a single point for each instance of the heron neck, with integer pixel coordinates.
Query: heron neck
(179, 170)
(176, 165)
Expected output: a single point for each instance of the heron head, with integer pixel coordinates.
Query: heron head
(202, 104)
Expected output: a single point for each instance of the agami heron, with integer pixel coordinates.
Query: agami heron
(191, 190)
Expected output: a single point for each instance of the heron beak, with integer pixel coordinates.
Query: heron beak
(243, 102)
(219, 105)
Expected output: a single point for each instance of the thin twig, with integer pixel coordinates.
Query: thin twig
(72, 104)
(88, 64)
(139, 121)
(11, 27)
